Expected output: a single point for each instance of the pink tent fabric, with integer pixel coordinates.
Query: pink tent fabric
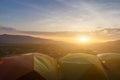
(12, 68)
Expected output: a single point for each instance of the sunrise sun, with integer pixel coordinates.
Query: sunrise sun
(84, 39)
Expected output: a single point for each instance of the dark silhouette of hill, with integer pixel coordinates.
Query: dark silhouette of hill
(21, 39)
(110, 46)
(20, 44)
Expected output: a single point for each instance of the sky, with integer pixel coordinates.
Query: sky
(59, 15)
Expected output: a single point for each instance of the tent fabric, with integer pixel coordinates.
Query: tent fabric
(82, 67)
(77, 66)
(32, 76)
(15, 67)
(111, 62)
(46, 66)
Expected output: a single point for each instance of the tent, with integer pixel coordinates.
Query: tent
(33, 66)
(81, 66)
(111, 62)
(76, 66)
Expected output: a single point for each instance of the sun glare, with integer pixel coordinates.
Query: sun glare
(84, 39)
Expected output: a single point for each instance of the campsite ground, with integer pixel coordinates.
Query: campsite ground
(57, 50)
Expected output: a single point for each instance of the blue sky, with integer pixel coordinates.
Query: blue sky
(59, 15)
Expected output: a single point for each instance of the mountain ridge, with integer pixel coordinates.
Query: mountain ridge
(6, 38)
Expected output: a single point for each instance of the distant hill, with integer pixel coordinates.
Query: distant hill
(21, 39)
(51, 46)
(110, 46)
(113, 42)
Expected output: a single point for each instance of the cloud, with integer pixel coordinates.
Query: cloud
(107, 34)
(3, 28)
(79, 14)
(8, 30)
(100, 34)
(61, 15)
